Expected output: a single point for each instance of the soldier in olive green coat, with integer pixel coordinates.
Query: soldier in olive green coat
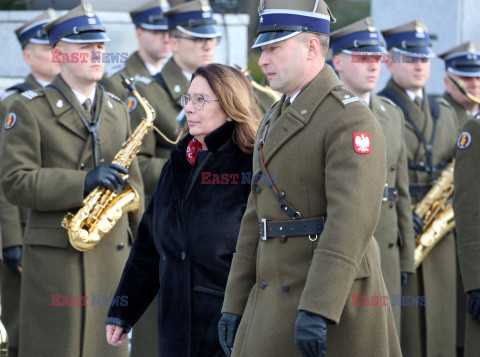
(50, 161)
(193, 45)
(461, 65)
(358, 49)
(428, 328)
(325, 155)
(466, 205)
(151, 30)
(37, 54)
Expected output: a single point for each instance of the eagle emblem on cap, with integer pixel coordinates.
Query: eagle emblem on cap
(370, 25)
(87, 7)
(261, 6)
(418, 26)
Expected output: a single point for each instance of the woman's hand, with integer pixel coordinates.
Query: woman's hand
(115, 335)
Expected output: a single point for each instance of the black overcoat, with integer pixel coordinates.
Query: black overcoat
(184, 246)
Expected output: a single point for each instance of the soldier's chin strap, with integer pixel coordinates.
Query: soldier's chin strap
(459, 86)
(91, 126)
(284, 205)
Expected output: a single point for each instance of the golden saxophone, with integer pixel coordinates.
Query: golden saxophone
(103, 208)
(436, 214)
(264, 89)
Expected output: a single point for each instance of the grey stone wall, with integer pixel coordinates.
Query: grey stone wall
(121, 32)
(451, 21)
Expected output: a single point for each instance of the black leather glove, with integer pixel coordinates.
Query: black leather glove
(311, 334)
(404, 279)
(473, 307)
(227, 328)
(12, 257)
(105, 175)
(417, 223)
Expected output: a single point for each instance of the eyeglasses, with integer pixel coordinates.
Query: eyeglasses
(201, 42)
(198, 101)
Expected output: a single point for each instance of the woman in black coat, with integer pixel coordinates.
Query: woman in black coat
(187, 236)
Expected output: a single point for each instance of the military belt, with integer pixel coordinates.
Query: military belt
(419, 190)
(312, 227)
(389, 194)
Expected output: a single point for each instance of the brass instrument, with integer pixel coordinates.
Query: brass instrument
(459, 85)
(264, 89)
(3, 341)
(103, 208)
(437, 216)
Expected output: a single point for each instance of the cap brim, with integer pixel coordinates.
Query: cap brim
(473, 71)
(39, 40)
(422, 52)
(162, 26)
(267, 38)
(371, 50)
(203, 31)
(87, 37)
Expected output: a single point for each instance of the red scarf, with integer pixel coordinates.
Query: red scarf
(192, 149)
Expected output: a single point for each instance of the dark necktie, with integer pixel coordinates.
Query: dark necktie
(285, 105)
(86, 106)
(418, 101)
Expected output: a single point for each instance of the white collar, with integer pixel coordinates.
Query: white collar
(367, 99)
(42, 82)
(473, 113)
(413, 95)
(81, 98)
(152, 69)
(187, 75)
(293, 96)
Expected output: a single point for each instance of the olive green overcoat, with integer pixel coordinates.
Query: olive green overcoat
(430, 328)
(46, 155)
(12, 221)
(310, 149)
(394, 231)
(466, 205)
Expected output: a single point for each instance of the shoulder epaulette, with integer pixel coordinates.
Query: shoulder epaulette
(6, 94)
(143, 79)
(30, 94)
(115, 69)
(388, 100)
(344, 96)
(114, 96)
(444, 101)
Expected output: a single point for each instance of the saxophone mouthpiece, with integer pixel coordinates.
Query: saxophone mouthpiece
(128, 83)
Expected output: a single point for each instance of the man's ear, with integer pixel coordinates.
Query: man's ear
(448, 84)
(313, 47)
(389, 64)
(337, 62)
(138, 33)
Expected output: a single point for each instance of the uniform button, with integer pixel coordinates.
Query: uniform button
(182, 256)
(82, 166)
(393, 168)
(283, 239)
(120, 246)
(392, 204)
(258, 190)
(391, 244)
(285, 288)
(263, 285)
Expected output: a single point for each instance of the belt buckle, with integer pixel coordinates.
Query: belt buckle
(385, 193)
(264, 222)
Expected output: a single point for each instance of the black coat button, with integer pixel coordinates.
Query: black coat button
(263, 285)
(120, 246)
(392, 204)
(82, 166)
(182, 256)
(283, 239)
(391, 244)
(285, 288)
(258, 190)
(393, 168)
